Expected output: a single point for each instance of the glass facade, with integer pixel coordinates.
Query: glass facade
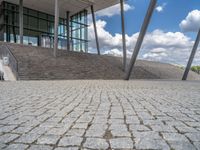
(79, 31)
(39, 28)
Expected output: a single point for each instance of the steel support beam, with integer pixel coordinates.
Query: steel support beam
(123, 34)
(141, 37)
(21, 21)
(56, 22)
(192, 55)
(95, 29)
(68, 30)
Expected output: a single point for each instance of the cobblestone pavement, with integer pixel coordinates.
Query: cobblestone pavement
(72, 115)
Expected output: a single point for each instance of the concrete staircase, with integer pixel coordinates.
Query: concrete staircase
(36, 63)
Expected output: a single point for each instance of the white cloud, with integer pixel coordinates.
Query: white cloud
(113, 10)
(160, 8)
(156, 53)
(169, 47)
(191, 22)
(116, 52)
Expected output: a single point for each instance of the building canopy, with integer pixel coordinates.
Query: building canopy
(73, 6)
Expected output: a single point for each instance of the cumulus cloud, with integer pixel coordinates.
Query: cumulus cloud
(117, 53)
(169, 47)
(157, 53)
(113, 10)
(114, 52)
(160, 8)
(107, 40)
(192, 22)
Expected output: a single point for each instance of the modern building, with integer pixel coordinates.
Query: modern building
(37, 22)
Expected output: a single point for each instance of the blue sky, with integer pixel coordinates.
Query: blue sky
(173, 13)
(170, 35)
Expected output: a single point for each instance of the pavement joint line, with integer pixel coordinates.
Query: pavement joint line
(109, 114)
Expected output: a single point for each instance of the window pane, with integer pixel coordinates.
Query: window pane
(25, 21)
(33, 41)
(42, 15)
(33, 22)
(33, 13)
(43, 25)
(51, 28)
(25, 10)
(51, 18)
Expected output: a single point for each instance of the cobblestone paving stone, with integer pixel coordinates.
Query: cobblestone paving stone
(72, 115)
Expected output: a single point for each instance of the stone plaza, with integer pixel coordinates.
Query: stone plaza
(72, 115)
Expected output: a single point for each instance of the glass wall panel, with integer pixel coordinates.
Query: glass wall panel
(26, 22)
(33, 23)
(39, 28)
(43, 26)
(43, 16)
(33, 13)
(79, 32)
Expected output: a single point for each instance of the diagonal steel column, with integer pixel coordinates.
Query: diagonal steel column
(21, 21)
(56, 22)
(68, 30)
(187, 69)
(141, 38)
(123, 34)
(95, 29)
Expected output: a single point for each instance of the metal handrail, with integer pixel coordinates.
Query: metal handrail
(13, 63)
(1, 75)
